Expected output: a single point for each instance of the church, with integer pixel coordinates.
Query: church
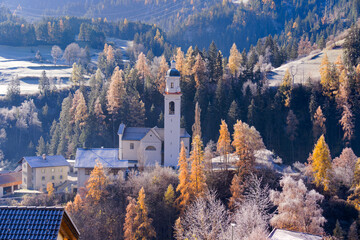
(140, 146)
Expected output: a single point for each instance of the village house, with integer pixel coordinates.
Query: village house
(37, 171)
(140, 146)
(36, 223)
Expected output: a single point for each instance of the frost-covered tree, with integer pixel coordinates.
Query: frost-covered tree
(56, 53)
(297, 208)
(205, 218)
(344, 167)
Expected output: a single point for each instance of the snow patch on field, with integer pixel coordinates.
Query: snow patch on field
(20, 61)
(304, 68)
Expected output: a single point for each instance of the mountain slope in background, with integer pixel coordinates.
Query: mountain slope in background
(162, 12)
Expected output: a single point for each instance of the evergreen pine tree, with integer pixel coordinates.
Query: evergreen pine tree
(353, 234)
(41, 147)
(136, 116)
(338, 232)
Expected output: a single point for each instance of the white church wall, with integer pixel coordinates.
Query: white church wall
(128, 153)
(151, 148)
(82, 178)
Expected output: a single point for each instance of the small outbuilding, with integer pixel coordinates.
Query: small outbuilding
(9, 182)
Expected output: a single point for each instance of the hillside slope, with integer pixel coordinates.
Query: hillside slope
(304, 68)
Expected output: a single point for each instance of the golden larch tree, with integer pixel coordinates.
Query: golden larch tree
(356, 181)
(97, 183)
(197, 174)
(245, 141)
(196, 127)
(321, 164)
(190, 61)
(199, 71)
(237, 191)
(144, 228)
(75, 206)
(142, 67)
(110, 54)
(235, 60)
(50, 189)
(116, 92)
(285, 88)
(129, 225)
(224, 142)
(328, 77)
(169, 196)
(160, 77)
(81, 111)
(319, 127)
(180, 61)
(184, 185)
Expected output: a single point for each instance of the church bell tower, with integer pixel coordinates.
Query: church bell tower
(172, 98)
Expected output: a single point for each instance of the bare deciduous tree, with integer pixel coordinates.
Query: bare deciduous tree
(56, 53)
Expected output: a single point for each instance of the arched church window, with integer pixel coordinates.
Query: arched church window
(171, 108)
(150, 148)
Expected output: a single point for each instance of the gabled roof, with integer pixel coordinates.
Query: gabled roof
(138, 133)
(50, 161)
(121, 129)
(33, 222)
(109, 158)
(135, 133)
(281, 234)
(9, 179)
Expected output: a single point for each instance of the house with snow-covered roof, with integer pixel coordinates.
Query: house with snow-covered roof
(140, 146)
(37, 171)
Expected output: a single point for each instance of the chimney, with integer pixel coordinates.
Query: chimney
(44, 156)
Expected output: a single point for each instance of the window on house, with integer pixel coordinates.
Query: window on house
(43, 178)
(24, 180)
(172, 85)
(42, 170)
(52, 177)
(24, 165)
(150, 148)
(88, 171)
(53, 170)
(171, 108)
(61, 169)
(61, 177)
(131, 145)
